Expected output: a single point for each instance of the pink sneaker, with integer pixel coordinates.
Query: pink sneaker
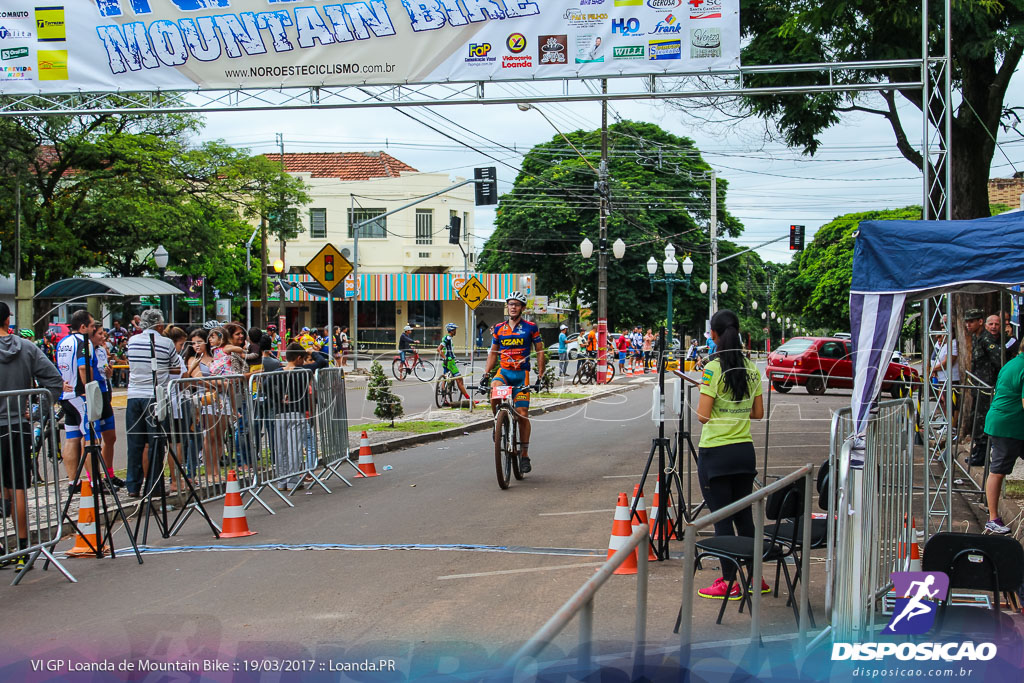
(765, 588)
(716, 591)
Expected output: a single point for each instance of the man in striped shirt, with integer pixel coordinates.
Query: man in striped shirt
(151, 362)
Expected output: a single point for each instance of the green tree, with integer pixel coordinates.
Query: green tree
(815, 285)
(659, 193)
(986, 50)
(378, 389)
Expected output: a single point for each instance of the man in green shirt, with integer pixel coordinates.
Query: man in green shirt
(1004, 423)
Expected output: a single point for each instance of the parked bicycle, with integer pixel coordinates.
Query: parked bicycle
(423, 369)
(586, 371)
(507, 450)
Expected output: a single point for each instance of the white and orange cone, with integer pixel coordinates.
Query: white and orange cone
(915, 553)
(365, 464)
(621, 531)
(670, 522)
(641, 518)
(87, 541)
(235, 524)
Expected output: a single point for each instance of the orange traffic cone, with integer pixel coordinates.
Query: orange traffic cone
(671, 516)
(915, 553)
(87, 541)
(365, 464)
(621, 530)
(641, 518)
(235, 524)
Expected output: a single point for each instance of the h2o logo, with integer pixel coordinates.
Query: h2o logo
(627, 27)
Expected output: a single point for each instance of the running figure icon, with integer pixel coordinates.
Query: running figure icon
(914, 612)
(914, 606)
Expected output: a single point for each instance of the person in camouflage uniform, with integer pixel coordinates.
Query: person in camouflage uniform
(985, 363)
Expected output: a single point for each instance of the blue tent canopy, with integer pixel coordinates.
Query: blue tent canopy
(924, 258)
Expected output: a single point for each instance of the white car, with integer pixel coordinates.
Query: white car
(572, 345)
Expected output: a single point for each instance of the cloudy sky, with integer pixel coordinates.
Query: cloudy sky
(770, 187)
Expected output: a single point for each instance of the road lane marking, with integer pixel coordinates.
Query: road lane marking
(500, 572)
(578, 512)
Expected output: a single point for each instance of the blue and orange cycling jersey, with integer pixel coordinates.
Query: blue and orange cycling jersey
(515, 344)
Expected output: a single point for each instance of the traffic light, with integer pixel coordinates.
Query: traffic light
(454, 230)
(329, 267)
(796, 238)
(487, 191)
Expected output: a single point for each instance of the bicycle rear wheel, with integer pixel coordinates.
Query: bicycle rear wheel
(424, 370)
(398, 369)
(502, 447)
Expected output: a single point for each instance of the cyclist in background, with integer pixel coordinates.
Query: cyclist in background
(446, 349)
(511, 343)
(405, 343)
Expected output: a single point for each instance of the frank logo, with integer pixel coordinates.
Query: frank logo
(479, 49)
(917, 599)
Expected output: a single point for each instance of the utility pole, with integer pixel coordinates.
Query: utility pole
(264, 316)
(355, 280)
(713, 294)
(602, 251)
(281, 316)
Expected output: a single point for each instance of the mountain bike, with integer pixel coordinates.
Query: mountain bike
(586, 371)
(444, 390)
(506, 433)
(423, 369)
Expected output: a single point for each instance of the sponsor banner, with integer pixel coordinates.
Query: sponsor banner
(124, 45)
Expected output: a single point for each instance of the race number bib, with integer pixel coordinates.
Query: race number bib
(501, 392)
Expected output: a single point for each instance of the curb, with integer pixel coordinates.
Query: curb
(419, 439)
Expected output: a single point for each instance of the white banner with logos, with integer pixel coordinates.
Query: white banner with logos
(126, 45)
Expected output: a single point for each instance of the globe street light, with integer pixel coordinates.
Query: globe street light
(160, 257)
(586, 251)
(670, 266)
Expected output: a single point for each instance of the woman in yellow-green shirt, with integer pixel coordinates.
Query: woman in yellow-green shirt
(730, 397)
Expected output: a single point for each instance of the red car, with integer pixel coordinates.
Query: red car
(57, 331)
(821, 363)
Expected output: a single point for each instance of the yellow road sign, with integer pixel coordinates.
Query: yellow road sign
(473, 292)
(329, 267)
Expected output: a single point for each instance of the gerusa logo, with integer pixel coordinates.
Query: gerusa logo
(666, 5)
(917, 599)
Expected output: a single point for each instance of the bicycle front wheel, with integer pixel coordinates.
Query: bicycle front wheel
(424, 370)
(517, 472)
(398, 369)
(502, 447)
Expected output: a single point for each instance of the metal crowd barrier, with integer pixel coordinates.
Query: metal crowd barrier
(29, 479)
(332, 423)
(873, 504)
(755, 500)
(582, 603)
(210, 432)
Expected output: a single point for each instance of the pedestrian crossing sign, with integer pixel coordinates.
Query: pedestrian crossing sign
(329, 267)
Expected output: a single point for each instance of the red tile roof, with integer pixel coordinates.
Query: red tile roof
(344, 165)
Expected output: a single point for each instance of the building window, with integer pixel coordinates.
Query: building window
(378, 228)
(425, 318)
(318, 224)
(377, 322)
(465, 226)
(424, 226)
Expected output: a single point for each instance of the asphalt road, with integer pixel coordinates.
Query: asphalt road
(430, 553)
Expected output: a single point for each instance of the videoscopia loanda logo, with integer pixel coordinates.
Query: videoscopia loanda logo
(918, 595)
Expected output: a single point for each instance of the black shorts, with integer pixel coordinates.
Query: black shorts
(108, 406)
(1005, 452)
(74, 409)
(15, 459)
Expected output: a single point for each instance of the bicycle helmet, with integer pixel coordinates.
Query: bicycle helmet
(27, 333)
(517, 296)
(271, 328)
(451, 327)
(210, 324)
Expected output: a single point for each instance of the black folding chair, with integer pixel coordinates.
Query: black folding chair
(976, 562)
(739, 550)
(790, 531)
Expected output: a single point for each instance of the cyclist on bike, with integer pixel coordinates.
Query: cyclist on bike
(511, 343)
(446, 349)
(406, 343)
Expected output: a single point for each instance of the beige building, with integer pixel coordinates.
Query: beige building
(408, 271)
(1006, 191)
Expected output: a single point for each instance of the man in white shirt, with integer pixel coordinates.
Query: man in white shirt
(74, 358)
(144, 375)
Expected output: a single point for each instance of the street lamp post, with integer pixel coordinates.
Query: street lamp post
(248, 287)
(670, 266)
(160, 257)
(279, 268)
(618, 251)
